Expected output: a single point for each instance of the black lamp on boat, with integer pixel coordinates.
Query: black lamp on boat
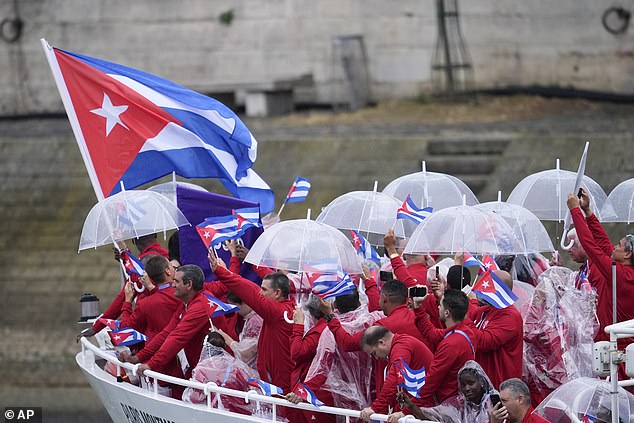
(89, 304)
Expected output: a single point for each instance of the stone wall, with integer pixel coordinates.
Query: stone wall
(511, 43)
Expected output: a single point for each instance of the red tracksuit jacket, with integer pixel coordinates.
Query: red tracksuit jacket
(500, 342)
(274, 357)
(151, 313)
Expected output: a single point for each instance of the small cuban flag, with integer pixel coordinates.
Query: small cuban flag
(470, 260)
(215, 230)
(364, 248)
(299, 191)
(494, 291)
(488, 263)
(111, 323)
(267, 389)
(584, 282)
(411, 211)
(413, 380)
(330, 285)
(132, 264)
(307, 395)
(217, 307)
(247, 217)
(126, 337)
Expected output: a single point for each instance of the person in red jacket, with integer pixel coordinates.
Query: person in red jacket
(452, 348)
(184, 334)
(271, 302)
(153, 312)
(381, 343)
(500, 337)
(515, 404)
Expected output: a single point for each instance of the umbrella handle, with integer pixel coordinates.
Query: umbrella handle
(136, 287)
(286, 317)
(563, 244)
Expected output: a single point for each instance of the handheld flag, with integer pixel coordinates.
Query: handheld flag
(330, 285)
(299, 191)
(267, 388)
(134, 127)
(488, 264)
(411, 211)
(248, 217)
(413, 380)
(215, 230)
(492, 289)
(584, 282)
(364, 248)
(126, 337)
(307, 395)
(112, 324)
(133, 265)
(217, 307)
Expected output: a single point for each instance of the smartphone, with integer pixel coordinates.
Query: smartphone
(495, 399)
(417, 291)
(580, 193)
(437, 273)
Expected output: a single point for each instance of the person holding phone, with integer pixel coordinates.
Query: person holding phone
(513, 404)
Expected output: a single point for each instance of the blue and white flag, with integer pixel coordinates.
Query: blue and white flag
(218, 229)
(331, 285)
(134, 127)
(470, 260)
(132, 264)
(364, 248)
(413, 380)
(126, 337)
(493, 290)
(299, 191)
(248, 217)
(410, 211)
(268, 389)
(217, 307)
(307, 395)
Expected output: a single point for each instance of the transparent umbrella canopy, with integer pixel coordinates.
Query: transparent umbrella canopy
(621, 199)
(370, 212)
(545, 194)
(304, 245)
(431, 189)
(129, 214)
(527, 228)
(585, 400)
(464, 228)
(168, 189)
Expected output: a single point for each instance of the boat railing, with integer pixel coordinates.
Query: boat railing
(88, 348)
(618, 331)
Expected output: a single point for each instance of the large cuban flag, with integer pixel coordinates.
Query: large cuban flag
(134, 127)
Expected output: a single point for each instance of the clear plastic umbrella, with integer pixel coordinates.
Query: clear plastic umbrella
(168, 189)
(129, 214)
(431, 189)
(464, 228)
(621, 201)
(527, 228)
(585, 400)
(370, 212)
(304, 245)
(545, 194)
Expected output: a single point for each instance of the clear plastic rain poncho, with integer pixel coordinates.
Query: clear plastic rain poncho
(559, 328)
(346, 375)
(460, 409)
(218, 366)
(246, 348)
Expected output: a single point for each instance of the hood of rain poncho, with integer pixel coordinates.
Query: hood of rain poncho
(457, 409)
(559, 328)
(586, 397)
(346, 375)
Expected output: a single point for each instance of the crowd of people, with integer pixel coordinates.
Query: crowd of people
(480, 362)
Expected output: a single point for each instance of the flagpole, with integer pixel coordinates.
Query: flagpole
(72, 117)
(281, 208)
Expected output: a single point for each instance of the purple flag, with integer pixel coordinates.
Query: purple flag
(199, 205)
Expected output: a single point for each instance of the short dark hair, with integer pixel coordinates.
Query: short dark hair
(195, 274)
(457, 303)
(373, 334)
(396, 290)
(279, 281)
(458, 277)
(348, 302)
(233, 298)
(173, 247)
(215, 339)
(517, 387)
(505, 261)
(155, 268)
